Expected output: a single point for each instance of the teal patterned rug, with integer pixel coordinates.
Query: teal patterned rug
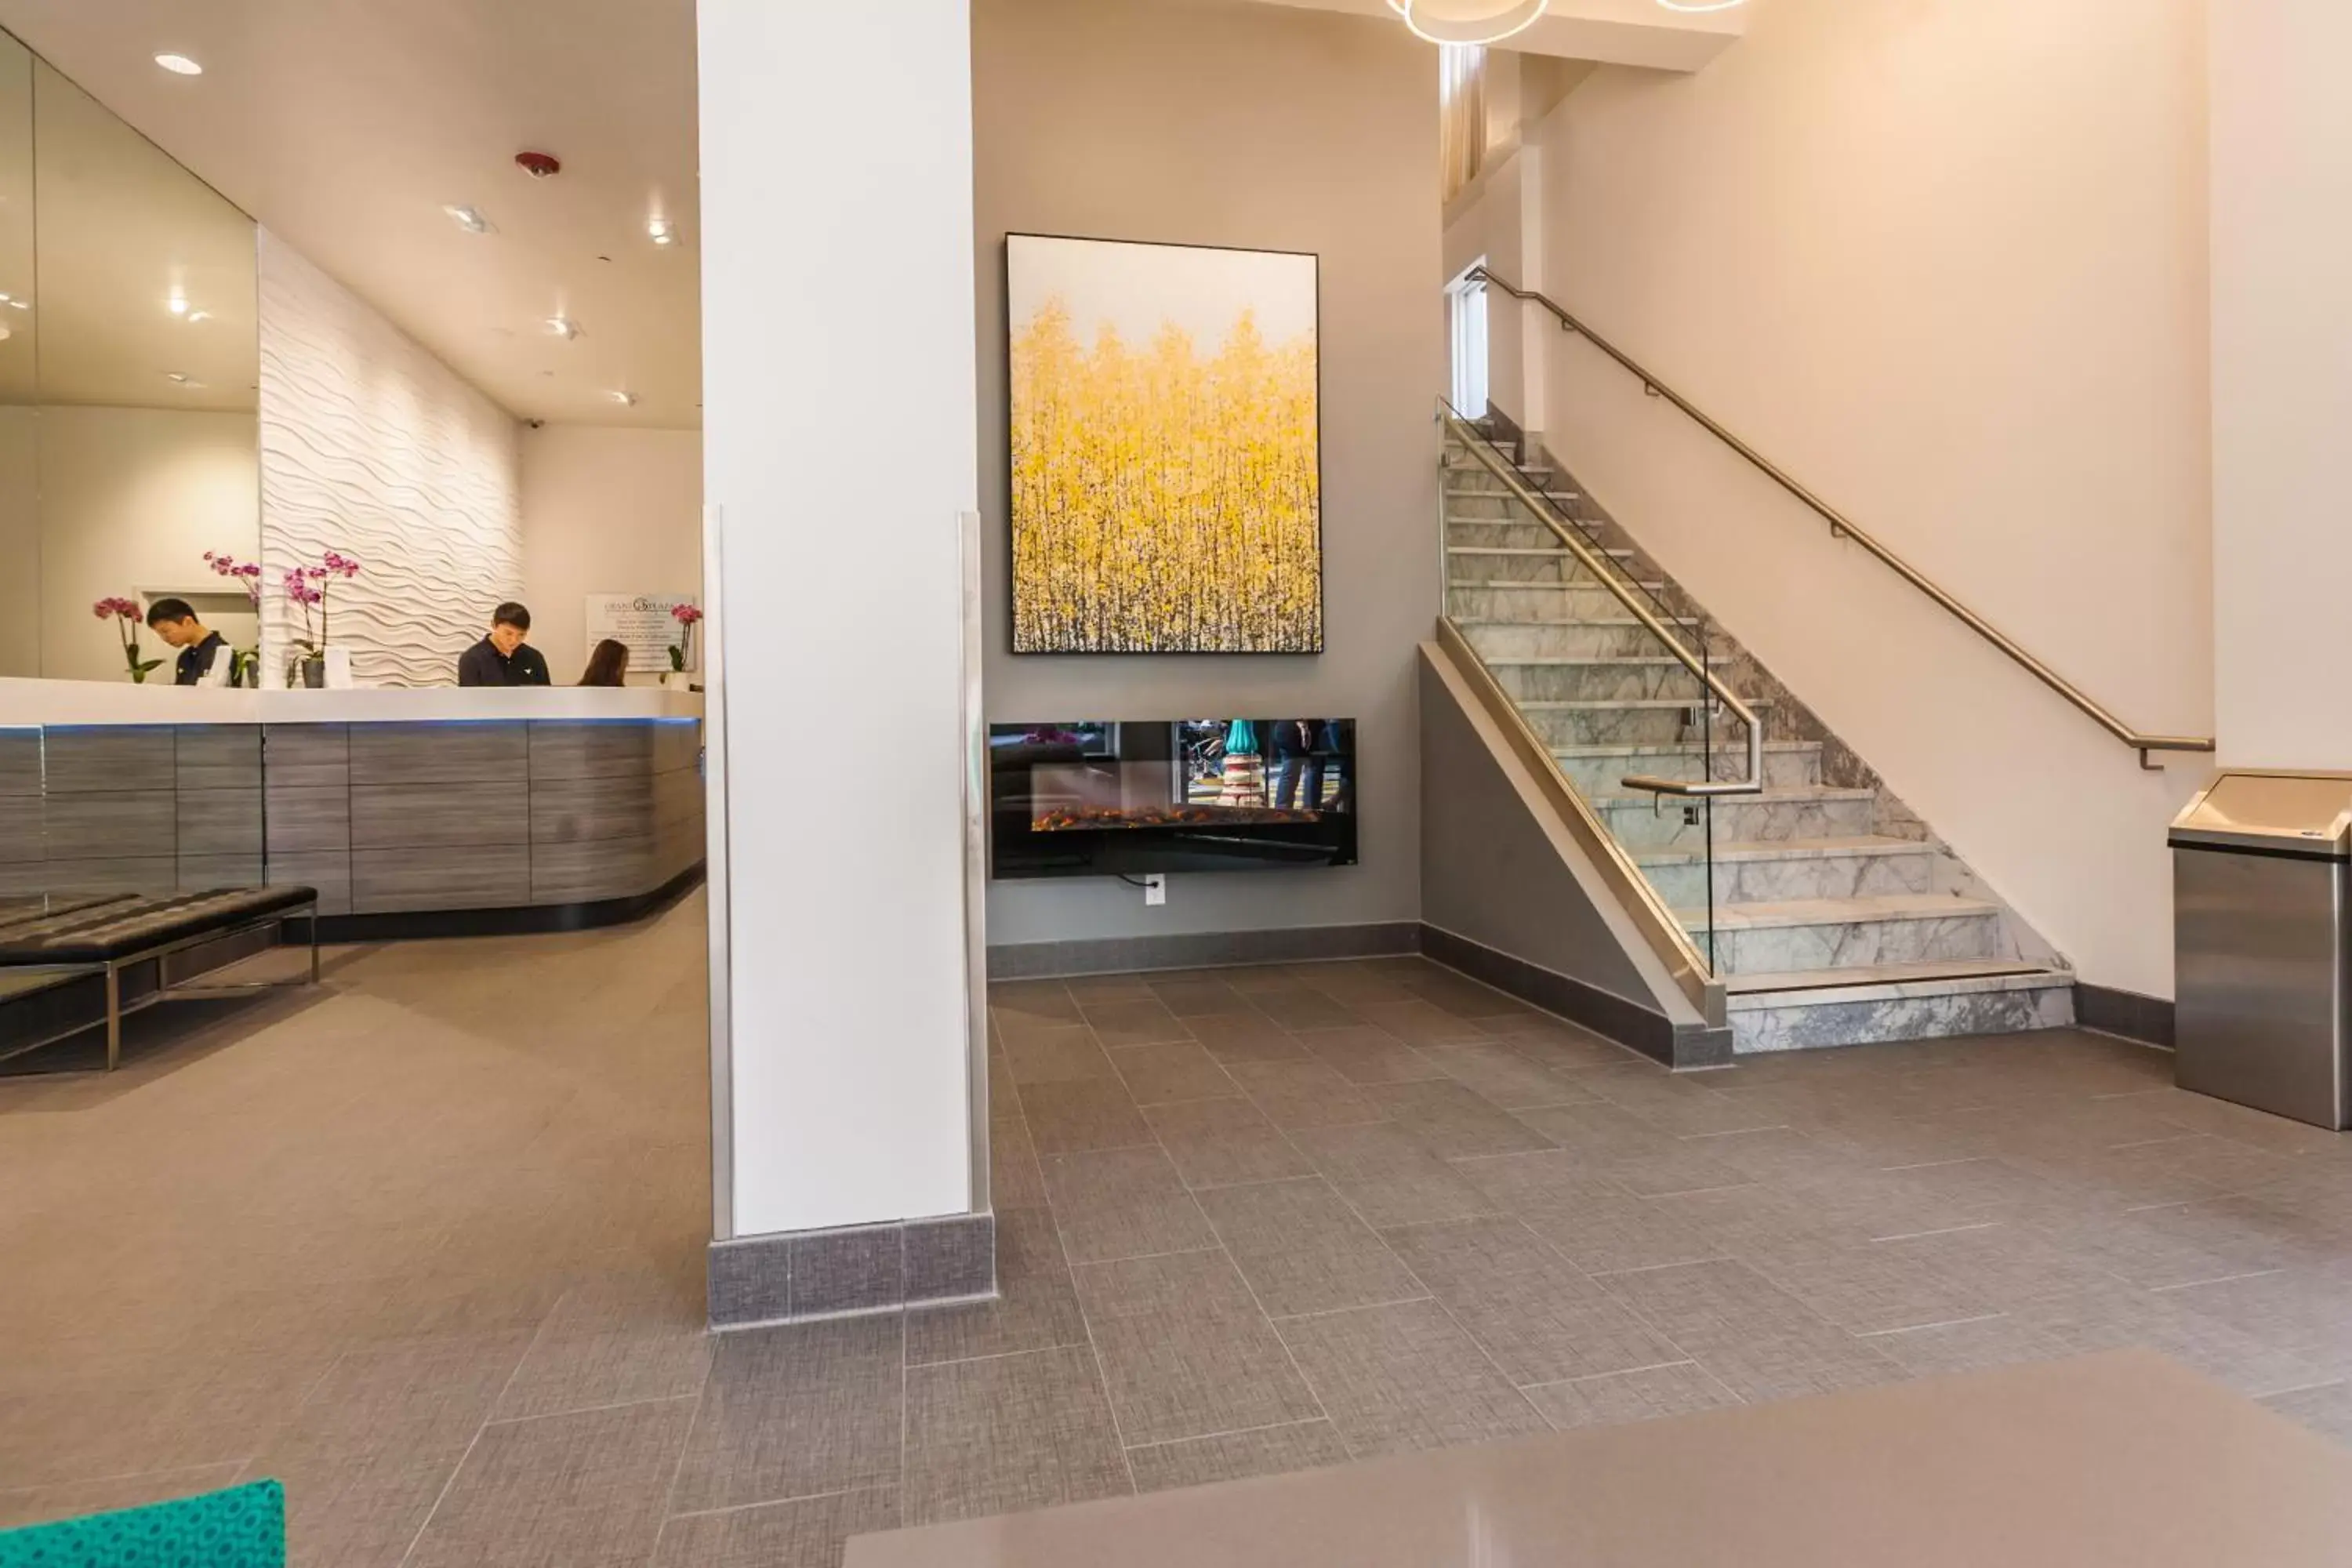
(244, 1527)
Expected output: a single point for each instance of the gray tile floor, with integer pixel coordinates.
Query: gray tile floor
(429, 1249)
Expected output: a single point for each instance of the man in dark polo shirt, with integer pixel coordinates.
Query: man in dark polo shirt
(204, 656)
(503, 658)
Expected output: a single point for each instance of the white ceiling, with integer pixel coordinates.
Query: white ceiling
(347, 125)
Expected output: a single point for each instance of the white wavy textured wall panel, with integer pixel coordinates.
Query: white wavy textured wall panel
(371, 447)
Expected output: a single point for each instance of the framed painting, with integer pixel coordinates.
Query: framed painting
(1165, 425)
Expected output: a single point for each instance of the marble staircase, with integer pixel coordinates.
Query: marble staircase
(1832, 913)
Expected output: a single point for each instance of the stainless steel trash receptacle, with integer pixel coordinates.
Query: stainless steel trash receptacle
(2262, 867)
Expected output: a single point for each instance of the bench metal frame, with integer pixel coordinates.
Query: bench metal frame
(165, 989)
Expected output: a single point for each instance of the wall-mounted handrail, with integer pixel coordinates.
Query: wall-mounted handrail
(1478, 447)
(1842, 527)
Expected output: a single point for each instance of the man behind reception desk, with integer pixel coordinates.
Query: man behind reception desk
(205, 658)
(503, 658)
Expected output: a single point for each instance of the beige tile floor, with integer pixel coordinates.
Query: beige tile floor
(428, 1248)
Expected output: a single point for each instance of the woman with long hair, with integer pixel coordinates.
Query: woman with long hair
(607, 666)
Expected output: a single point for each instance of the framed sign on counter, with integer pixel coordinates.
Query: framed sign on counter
(644, 624)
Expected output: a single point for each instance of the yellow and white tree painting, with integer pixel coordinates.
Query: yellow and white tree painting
(1166, 492)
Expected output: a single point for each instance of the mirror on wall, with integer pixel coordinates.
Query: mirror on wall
(20, 520)
(130, 437)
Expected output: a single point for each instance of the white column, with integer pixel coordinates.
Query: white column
(2281, 257)
(838, 416)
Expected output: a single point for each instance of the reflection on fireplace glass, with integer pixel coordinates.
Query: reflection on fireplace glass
(1098, 798)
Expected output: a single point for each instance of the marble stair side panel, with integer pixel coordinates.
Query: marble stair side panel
(1834, 869)
(1818, 1020)
(1545, 563)
(1657, 722)
(1639, 822)
(1636, 679)
(1469, 599)
(1618, 637)
(1600, 770)
(1853, 933)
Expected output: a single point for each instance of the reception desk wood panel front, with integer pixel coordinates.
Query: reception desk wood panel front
(523, 822)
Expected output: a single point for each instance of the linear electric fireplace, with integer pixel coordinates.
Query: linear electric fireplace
(1100, 798)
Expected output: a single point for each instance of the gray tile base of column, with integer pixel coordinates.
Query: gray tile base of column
(802, 1274)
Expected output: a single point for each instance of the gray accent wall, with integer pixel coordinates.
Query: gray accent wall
(1494, 872)
(1256, 127)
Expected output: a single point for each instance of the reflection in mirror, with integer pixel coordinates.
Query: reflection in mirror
(147, 435)
(20, 526)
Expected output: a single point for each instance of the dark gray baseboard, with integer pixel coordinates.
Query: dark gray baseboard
(2147, 1019)
(1604, 1012)
(800, 1274)
(1199, 950)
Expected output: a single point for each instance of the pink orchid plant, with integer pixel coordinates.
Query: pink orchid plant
(125, 615)
(245, 574)
(686, 615)
(306, 587)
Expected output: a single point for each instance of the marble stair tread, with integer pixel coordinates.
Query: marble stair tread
(1472, 623)
(1813, 795)
(1857, 845)
(1750, 993)
(1601, 704)
(1491, 491)
(1530, 552)
(1566, 660)
(1647, 585)
(1872, 909)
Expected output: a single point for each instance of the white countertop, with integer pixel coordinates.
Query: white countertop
(61, 702)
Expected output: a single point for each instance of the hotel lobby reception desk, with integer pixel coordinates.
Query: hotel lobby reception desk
(415, 813)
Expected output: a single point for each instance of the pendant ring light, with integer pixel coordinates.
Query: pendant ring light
(1468, 21)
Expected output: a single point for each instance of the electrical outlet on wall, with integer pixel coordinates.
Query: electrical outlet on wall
(1155, 889)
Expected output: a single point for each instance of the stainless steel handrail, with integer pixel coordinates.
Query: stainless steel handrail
(1842, 527)
(1478, 447)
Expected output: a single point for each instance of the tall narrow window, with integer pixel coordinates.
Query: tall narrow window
(1466, 328)
(1462, 114)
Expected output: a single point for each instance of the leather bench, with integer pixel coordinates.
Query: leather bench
(104, 934)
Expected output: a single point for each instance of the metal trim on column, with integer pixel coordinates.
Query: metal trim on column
(716, 837)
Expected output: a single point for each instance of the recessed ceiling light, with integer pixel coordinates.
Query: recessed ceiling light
(625, 399)
(469, 219)
(1700, 5)
(660, 232)
(194, 316)
(179, 65)
(5, 334)
(563, 327)
(20, 305)
(177, 305)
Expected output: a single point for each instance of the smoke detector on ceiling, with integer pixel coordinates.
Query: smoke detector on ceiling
(539, 165)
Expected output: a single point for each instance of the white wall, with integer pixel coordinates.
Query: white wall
(838, 439)
(605, 510)
(2282, 191)
(1945, 263)
(1321, 135)
(371, 447)
(130, 499)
